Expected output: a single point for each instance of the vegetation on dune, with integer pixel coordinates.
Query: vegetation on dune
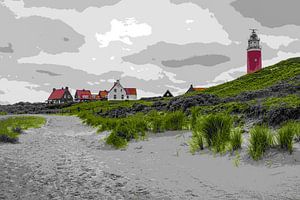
(217, 132)
(11, 128)
(236, 139)
(260, 140)
(102, 106)
(136, 126)
(174, 121)
(259, 80)
(214, 125)
(289, 101)
(286, 135)
(3, 113)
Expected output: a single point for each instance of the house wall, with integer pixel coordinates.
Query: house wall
(131, 97)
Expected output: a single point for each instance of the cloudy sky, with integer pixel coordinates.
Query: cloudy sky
(153, 45)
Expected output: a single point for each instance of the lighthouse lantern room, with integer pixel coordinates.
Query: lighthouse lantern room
(254, 61)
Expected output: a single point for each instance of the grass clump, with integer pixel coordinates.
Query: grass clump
(286, 134)
(11, 128)
(3, 113)
(196, 143)
(174, 121)
(214, 130)
(156, 122)
(260, 140)
(127, 130)
(236, 139)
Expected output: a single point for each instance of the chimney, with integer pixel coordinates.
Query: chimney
(54, 89)
(67, 88)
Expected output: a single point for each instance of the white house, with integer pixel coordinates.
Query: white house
(118, 92)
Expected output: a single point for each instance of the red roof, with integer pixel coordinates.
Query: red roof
(199, 89)
(57, 94)
(130, 91)
(83, 94)
(103, 94)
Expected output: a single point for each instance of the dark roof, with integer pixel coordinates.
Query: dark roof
(168, 94)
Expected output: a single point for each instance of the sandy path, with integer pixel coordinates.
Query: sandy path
(65, 160)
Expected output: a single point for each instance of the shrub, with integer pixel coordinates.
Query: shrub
(216, 130)
(236, 139)
(260, 141)
(174, 121)
(286, 135)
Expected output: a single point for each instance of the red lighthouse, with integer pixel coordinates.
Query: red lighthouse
(254, 62)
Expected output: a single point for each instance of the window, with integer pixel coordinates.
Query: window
(122, 97)
(115, 96)
(121, 90)
(127, 97)
(115, 90)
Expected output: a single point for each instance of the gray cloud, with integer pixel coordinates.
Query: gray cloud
(7, 49)
(31, 35)
(79, 5)
(270, 13)
(1, 92)
(205, 60)
(162, 51)
(77, 79)
(47, 72)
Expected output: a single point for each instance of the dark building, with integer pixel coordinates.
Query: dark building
(60, 96)
(168, 94)
(193, 89)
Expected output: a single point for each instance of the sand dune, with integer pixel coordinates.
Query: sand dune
(67, 160)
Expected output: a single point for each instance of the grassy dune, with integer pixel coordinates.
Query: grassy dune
(262, 79)
(11, 128)
(218, 127)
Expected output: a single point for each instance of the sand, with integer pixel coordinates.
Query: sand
(68, 160)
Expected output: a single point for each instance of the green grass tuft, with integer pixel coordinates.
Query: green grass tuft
(286, 134)
(260, 140)
(236, 139)
(174, 121)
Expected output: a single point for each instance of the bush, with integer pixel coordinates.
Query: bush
(236, 139)
(216, 130)
(260, 141)
(286, 135)
(174, 121)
